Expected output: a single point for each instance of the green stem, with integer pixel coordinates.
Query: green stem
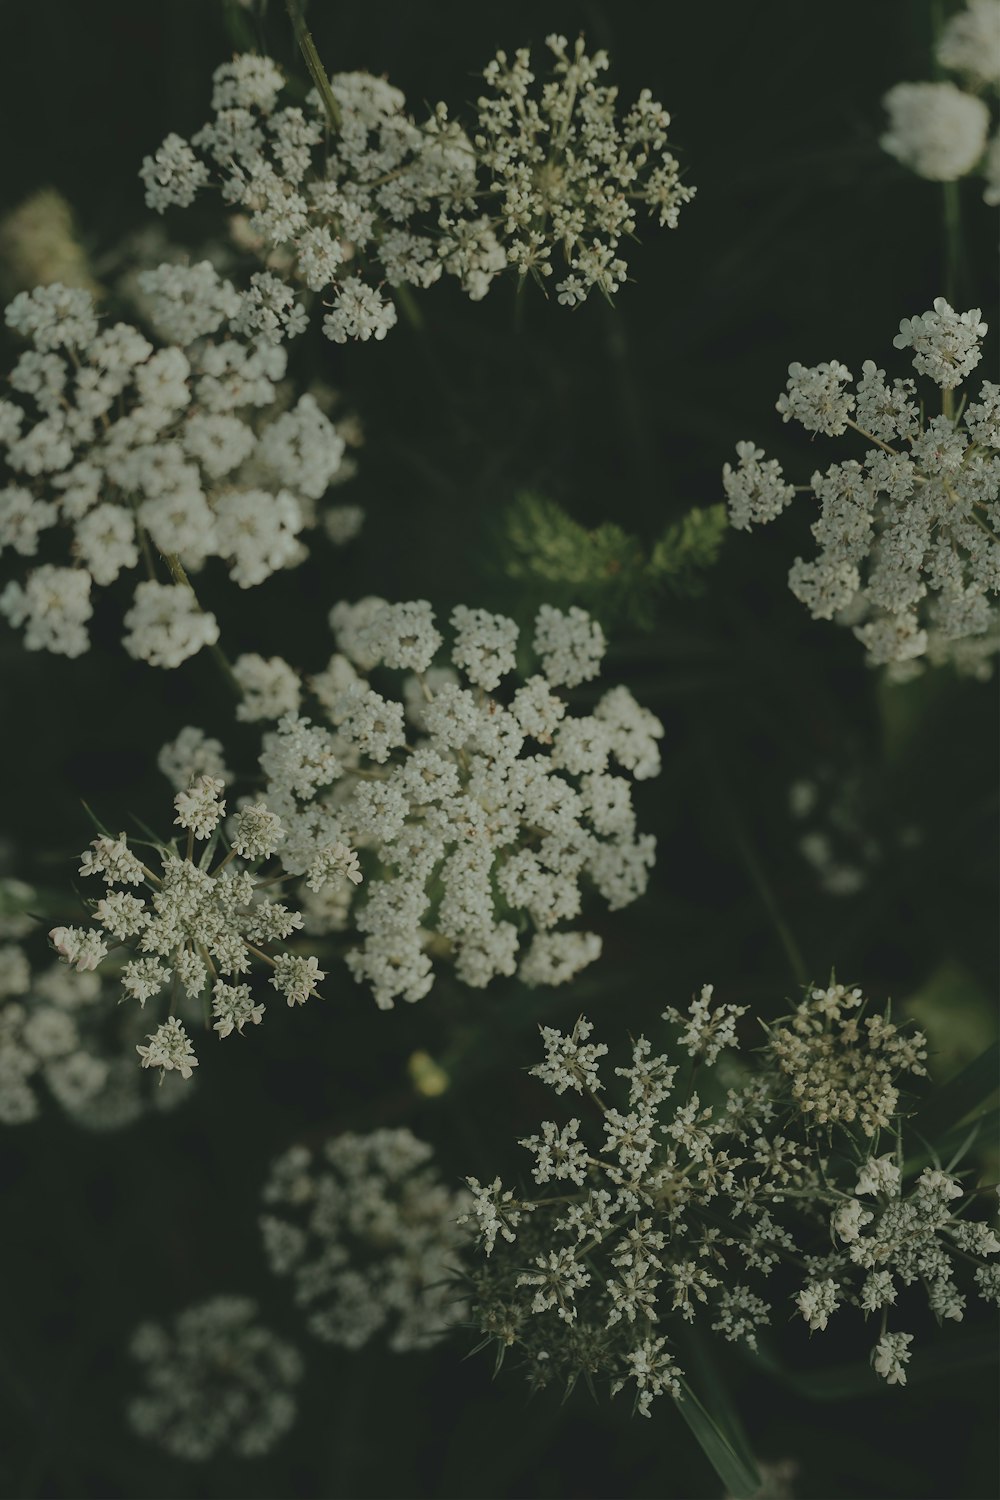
(147, 552)
(317, 72)
(409, 307)
(952, 239)
(177, 572)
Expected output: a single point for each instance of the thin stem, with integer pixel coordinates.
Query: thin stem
(952, 239)
(311, 57)
(764, 890)
(147, 552)
(872, 439)
(259, 953)
(409, 307)
(271, 880)
(177, 572)
(223, 862)
(208, 959)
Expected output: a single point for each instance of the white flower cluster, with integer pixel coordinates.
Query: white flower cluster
(125, 450)
(887, 1238)
(569, 173)
(381, 198)
(369, 1236)
(191, 925)
(60, 1028)
(942, 131)
(909, 538)
(482, 823)
(217, 1382)
(843, 1069)
(661, 1205)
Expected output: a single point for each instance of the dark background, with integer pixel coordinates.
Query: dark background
(805, 242)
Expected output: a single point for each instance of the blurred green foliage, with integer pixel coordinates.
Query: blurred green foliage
(605, 570)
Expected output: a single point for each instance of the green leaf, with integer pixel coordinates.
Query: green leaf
(94, 819)
(688, 547)
(547, 544)
(951, 1148)
(606, 569)
(962, 1094)
(241, 32)
(738, 1473)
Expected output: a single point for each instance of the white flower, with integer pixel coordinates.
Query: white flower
(816, 397)
(81, 947)
(970, 42)
(945, 343)
(55, 606)
(935, 129)
(335, 862)
(817, 1301)
(408, 197)
(201, 807)
(890, 1357)
(169, 1048)
(367, 1232)
(53, 317)
(849, 1220)
(166, 626)
(258, 832)
(570, 1061)
(756, 492)
(173, 175)
(706, 1032)
(187, 302)
(485, 645)
(296, 978)
(233, 1007)
(216, 1382)
(495, 1211)
(571, 646)
(878, 1175)
(271, 688)
(359, 312)
(190, 755)
(401, 636)
(142, 978)
(268, 310)
(112, 859)
(905, 558)
(557, 957)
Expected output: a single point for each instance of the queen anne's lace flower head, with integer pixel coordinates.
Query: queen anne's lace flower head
(939, 130)
(62, 1035)
(935, 129)
(482, 826)
(217, 1381)
(550, 179)
(368, 1235)
(970, 42)
(120, 450)
(659, 1207)
(908, 538)
(193, 929)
